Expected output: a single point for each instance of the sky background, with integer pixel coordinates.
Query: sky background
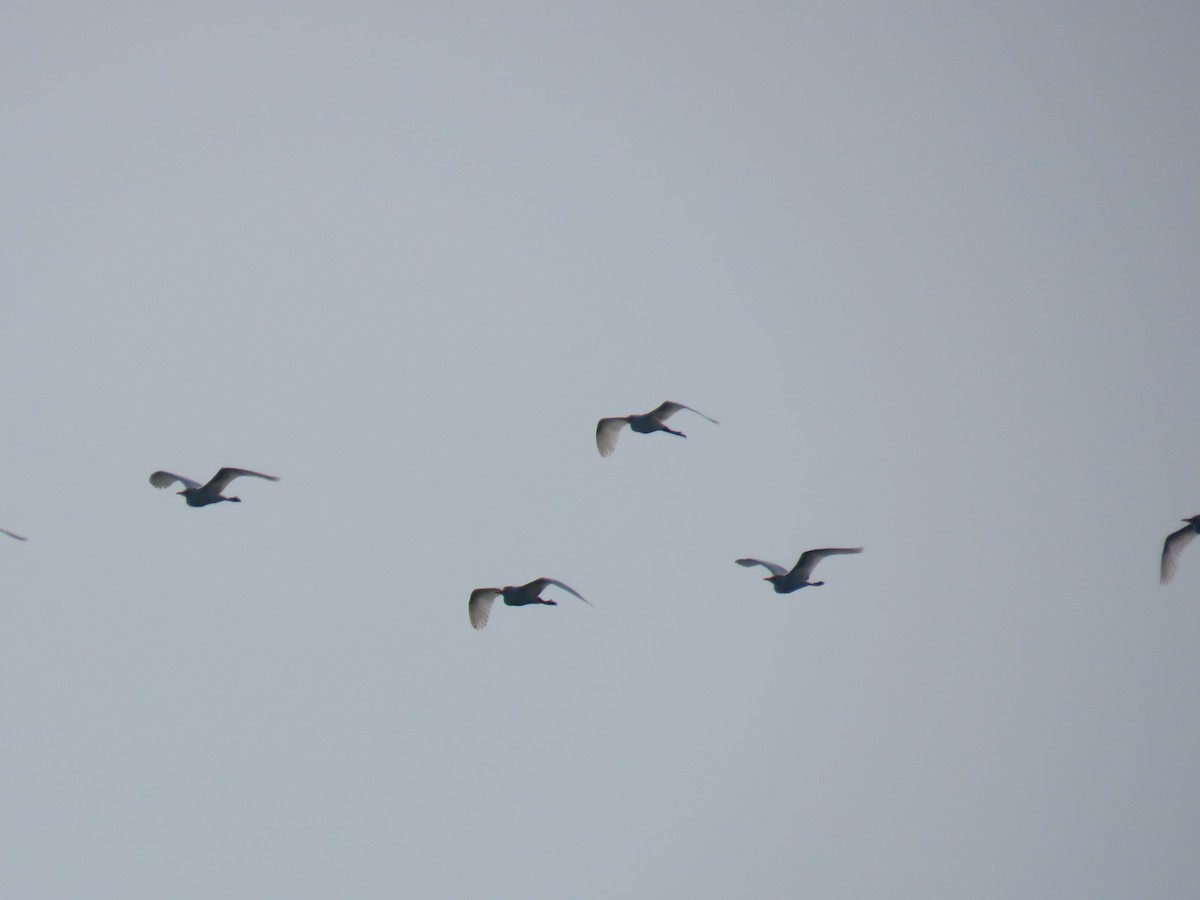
(932, 265)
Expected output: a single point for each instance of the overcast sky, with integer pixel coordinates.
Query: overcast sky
(932, 265)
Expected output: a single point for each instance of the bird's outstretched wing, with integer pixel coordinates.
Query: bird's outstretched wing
(607, 432)
(1172, 547)
(161, 479)
(225, 475)
(540, 584)
(668, 409)
(775, 569)
(479, 607)
(809, 558)
(12, 535)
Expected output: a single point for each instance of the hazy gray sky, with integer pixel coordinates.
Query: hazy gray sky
(932, 265)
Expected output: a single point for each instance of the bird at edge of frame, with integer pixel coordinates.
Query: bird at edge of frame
(197, 494)
(13, 534)
(1173, 548)
(479, 606)
(609, 429)
(786, 582)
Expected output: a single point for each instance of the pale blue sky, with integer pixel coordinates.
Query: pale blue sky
(933, 267)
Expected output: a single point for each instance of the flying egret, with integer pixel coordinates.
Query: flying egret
(608, 430)
(198, 494)
(11, 535)
(1173, 547)
(479, 607)
(786, 582)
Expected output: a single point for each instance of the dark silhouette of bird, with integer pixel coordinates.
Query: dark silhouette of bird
(479, 607)
(608, 430)
(786, 582)
(198, 494)
(1173, 547)
(12, 535)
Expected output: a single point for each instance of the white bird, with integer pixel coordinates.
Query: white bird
(786, 582)
(198, 494)
(608, 430)
(11, 535)
(1173, 547)
(479, 607)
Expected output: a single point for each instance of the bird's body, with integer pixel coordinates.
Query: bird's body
(609, 429)
(479, 607)
(784, 581)
(197, 494)
(1173, 547)
(12, 534)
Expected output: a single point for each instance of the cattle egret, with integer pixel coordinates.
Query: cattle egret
(479, 607)
(608, 430)
(198, 494)
(784, 581)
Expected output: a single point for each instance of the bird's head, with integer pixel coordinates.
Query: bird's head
(1193, 520)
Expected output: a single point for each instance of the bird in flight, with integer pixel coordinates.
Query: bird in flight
(198, 494)
(12, 535)
(608, 430)
(786, 582)
(1173, 547)
(479, 607)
